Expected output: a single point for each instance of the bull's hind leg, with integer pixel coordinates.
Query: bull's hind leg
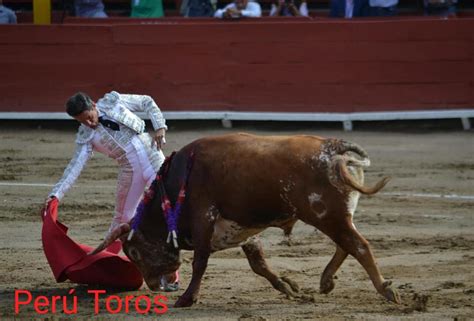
(326, 284)
(352, 242)
(254, 252)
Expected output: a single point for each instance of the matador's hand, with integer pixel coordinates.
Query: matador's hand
(46, 204)
(159, 138)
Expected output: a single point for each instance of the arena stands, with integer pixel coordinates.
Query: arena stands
(121, 8)
(273, 68)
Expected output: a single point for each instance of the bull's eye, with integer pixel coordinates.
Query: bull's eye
(134, 254)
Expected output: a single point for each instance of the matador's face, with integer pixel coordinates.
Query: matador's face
(89, 118)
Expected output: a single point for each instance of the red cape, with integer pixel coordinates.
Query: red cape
(69, 260)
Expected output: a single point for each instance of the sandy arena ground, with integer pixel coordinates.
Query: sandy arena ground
(423, 239)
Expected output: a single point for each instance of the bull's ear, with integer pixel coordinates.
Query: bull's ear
(115, 234)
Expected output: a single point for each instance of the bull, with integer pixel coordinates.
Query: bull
(241, 184)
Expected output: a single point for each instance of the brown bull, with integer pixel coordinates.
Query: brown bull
(241, 184)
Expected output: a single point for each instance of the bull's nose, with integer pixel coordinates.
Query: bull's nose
(153, 283)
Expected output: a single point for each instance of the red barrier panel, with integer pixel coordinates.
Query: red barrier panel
(299, 65)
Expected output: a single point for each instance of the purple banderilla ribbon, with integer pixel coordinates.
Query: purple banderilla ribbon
(142, 206)
(172, 215)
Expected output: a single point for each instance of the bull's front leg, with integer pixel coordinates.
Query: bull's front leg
(190, 296)
(201, 230)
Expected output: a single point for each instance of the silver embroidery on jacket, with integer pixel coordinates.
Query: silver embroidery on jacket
(71, 173)
(156, 157)
(120, 108)
(84, 134)
(124, 183)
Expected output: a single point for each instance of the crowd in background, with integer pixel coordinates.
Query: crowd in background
(249, 8)
(368, 8)
(252, 9)
(7, 16)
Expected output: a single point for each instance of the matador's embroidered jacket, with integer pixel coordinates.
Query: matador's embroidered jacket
(121, 109)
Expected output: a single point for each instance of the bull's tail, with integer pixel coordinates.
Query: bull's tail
(350, 154)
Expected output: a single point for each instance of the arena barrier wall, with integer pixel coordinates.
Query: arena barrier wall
(264, 69)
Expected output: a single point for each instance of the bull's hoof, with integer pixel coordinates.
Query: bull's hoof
(326, 285)
(286, 287)
(294, 286)
(184, 302)
(390, 293)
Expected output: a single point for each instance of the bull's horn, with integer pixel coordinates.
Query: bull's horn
(111, 237)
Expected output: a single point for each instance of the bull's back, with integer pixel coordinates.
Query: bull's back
(251, 178)
(224, 148)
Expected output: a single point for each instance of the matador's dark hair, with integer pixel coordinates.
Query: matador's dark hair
(78, 103)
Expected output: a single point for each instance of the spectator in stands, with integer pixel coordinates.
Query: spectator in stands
(288, 8)
(89, 9)
(198, 8)
(349, 8)
(443, 8)
(239, 9)
(383, 8)
(147, 9)
(7, 16)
